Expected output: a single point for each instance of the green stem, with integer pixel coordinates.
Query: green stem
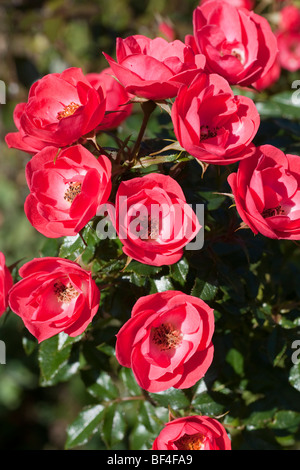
(147, 107)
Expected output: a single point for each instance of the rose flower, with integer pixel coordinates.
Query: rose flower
(55, 295)
(154, 68)
(238, 44)
(65, 189)
(213, 124)
(193, 433)
(266, 189)
(153, 220)
(167, 341)
(61, 108)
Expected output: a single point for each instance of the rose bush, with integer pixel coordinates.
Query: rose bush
(213, 124)
(54, 295)
(241, 49)
(193, 433)
(65, 189)
(153, 220)
(6, 283)
(154, 68)
(266, 193)
(61, 108)
(167, 341)
(153, 351)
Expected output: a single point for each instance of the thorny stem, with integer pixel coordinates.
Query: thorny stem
(147, 107)
(81, 236)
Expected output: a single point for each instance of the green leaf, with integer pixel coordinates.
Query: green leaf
(50, 247)
(128, 380)
(175, 398)
(56, 359)
(294, 376)
(83, 244)
(113, 426)
(161, 285)
(100, 385)
(85, 425)
(179, 271)
(236, 360)
(282, 104)
(140, 438)
(142, 269)
(204, 404)
(287, 420)
(204, 290)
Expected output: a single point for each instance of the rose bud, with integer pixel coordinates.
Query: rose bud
(61, 108)
(167, 341)
(238, 44)
(193, 433)
(55, 295)
(213, 124)
(267, 195)
(153, 220)
(65, 189)
(6, 283)
(154, 68)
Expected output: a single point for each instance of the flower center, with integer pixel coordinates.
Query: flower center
(68, 110)
(207, 133)
(166, 336)
(237, 55)
(273, 211)
(149, 228)
(190, 442)
(73, 190)
(65, 293)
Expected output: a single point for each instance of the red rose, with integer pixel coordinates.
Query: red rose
(249, 4)
(153, 220)
(167, 341)
(289, 50)
(267, 195)
(211, 123)
(55, 295)
(118, 107)
(238, 44)
(6, 283)
(193, 433)
(65, 190)
(154, 68)
(61, 108)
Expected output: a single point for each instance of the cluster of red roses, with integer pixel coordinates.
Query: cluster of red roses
(168, 339)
